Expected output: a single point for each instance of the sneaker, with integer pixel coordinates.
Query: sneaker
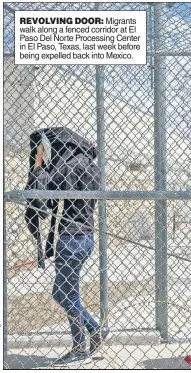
(97, 339)
(74, 357)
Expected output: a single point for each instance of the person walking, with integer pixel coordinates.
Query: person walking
(74, 246)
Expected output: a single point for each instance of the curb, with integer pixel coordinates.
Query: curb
(116, 338)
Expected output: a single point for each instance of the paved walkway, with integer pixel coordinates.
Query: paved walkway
(170, 356)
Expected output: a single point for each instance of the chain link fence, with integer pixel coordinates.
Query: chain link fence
(138, 278)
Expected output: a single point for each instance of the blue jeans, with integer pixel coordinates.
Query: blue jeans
(71, 254)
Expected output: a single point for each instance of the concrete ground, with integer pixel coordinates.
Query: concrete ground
(169, 356)
(136, 309)
(131, 298)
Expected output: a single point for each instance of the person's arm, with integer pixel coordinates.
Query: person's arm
(39, 156)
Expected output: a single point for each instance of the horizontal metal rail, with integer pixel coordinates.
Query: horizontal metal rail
(18, 195)
(170, 53)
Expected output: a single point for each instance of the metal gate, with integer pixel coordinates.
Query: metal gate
(138, 279)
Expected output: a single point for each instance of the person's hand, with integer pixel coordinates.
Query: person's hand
(93, 143)
(39, 156)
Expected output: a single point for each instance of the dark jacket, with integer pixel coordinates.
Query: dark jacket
(71, 168)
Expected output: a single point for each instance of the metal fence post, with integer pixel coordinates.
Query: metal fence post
(160, 174)
(4, 289)
(102, 203)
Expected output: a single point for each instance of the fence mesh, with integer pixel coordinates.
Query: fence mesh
(37, 97)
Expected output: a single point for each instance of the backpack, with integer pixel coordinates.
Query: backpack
(71, 168)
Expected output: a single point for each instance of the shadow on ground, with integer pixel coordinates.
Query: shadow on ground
(18, 361)
(165, 363)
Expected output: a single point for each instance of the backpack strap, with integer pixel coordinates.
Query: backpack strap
(49, 251)
(41, 263)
